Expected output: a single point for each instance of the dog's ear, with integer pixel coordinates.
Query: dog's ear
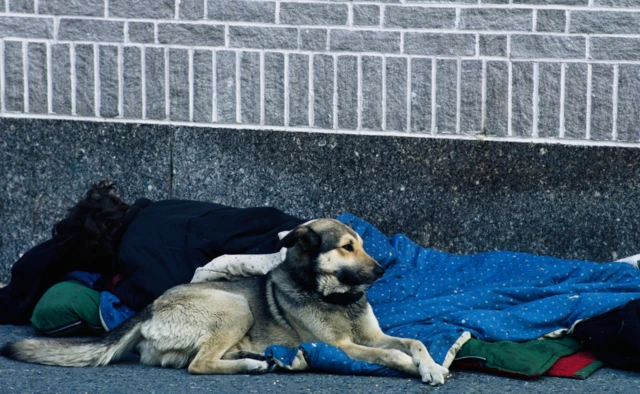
(303, 236)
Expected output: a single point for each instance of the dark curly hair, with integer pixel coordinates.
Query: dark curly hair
(91, 229)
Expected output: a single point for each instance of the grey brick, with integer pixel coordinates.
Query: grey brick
(202, 86)
(313, 39)
(242, 11)
(493, 45)
(617, 3)
(313, 14)
(496, 107)
(250, 87)
(152, 9)
(142, 32)
(533, 46)
(274, 88)
(154, 65)
(396, 83)
(442, 1)
(628, 125)
(440, 44)
(364, 41)
(298, 90)
(551, 21)
(191, 34)
(421, 95)
(601, 101)
(13, 26)
(495, 19)
(446, 96)
(178, 84)
(13, 76)
(226, 86)
(132, 83)
(471, 96)
(191, 9)
(85, 80)
(61, 79)
(420, 17)
(494, 1)
(522, 99)
(553, 2)
(22, 6)
(614, 48)
(323, 91)
(38, 90)
(549, 87)
(347, 92)
(91, 30)
(263, 37)
(366, 15)
(71, 7)
(605, 22)
(371, 92)
(109, 84)
(575, 100)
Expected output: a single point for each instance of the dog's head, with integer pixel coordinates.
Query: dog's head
(327, 256)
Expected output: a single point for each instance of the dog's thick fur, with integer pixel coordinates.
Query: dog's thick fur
(316, 294)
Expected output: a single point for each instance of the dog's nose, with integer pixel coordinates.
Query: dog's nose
(378, 271)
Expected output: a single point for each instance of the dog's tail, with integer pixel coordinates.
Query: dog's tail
(69, 353)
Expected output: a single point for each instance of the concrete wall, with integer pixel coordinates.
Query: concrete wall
(544, 70)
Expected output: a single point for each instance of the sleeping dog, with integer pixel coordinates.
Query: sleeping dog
(317, 294)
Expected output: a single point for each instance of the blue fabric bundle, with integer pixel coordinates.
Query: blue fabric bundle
(435, 297)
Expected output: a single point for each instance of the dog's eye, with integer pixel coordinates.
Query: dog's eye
(348, 247)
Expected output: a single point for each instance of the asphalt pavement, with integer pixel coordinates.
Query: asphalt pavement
(131, 377)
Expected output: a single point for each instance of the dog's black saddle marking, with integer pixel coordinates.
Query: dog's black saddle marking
(344, 298)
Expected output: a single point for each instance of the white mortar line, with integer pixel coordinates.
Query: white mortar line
(589, 87)
(536, 99)
(214, 100)
(328, 43)
(335, 91)
(382, 13)
(286, 89)
(587, 51)
(510, 100)
(72, 55)
(350, 14)
(191, 87)
(167, 87)
(311, 96)
(238, 90)
(106, 8)
(401, 42)
(277, 12)
(96, 80)
(36, 6)
(299, 38)
(359, 111)
(155, 33)
(120, 81)
(477, 45)
(226, 36)
(384, 93)
(409, 78)
(434, 107)
(177, 9)
(457, 20)
(56, 26)
(25, 76)
(49, 79)
(143, 80)
(126, 32)
(458, 95)
(262, 88)
(562, 98)
(534, 20)
(484, 97)
(614, 126)
(568, 21)
(233, 126)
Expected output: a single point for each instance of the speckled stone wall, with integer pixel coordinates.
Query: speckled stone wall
(460, 196)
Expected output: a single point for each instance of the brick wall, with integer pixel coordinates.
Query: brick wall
(541, 70)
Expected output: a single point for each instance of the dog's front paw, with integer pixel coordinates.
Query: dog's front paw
(433, 373)
(256, 366)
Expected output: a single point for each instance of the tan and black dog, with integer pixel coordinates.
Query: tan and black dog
(315, 295)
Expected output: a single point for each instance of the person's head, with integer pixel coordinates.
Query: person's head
(91, 229)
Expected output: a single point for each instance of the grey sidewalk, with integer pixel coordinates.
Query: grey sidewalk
(131, 377)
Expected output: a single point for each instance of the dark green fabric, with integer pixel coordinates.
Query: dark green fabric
(588, 370)
(68, 309)
(532, 358)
